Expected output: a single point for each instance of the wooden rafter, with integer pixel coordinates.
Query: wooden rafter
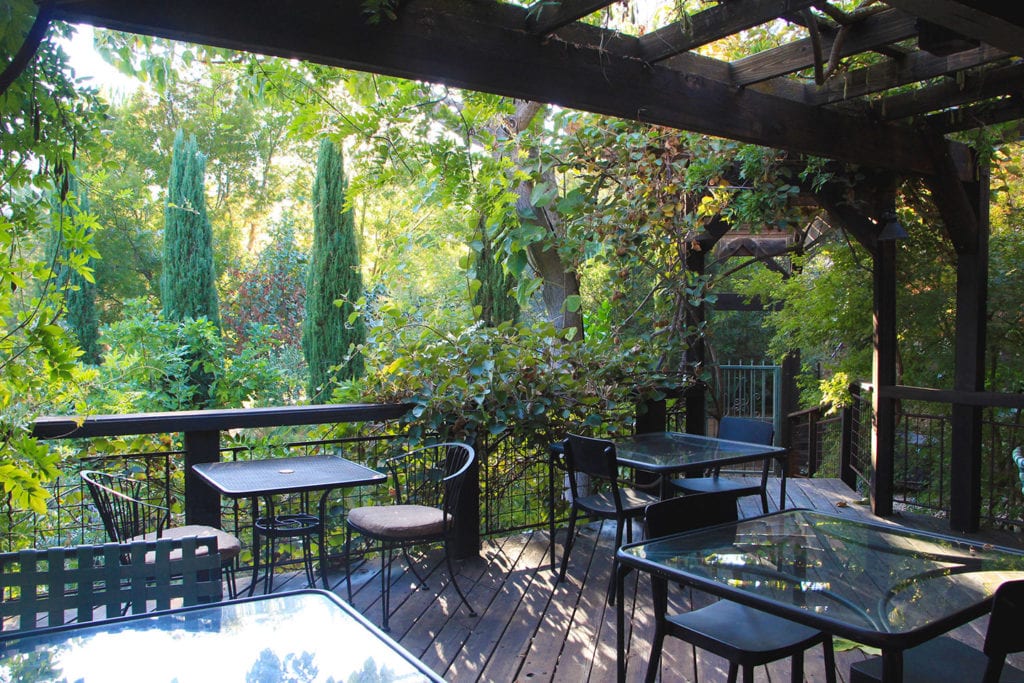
(546, 54)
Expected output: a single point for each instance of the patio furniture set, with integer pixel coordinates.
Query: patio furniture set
(787, 581)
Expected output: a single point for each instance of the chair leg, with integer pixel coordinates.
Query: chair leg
(348, 561)
(610, 594)
(385, 586)
(307, 559)
(568, 544)
(764, 500)
(229, 574)
(734, 671)
(412, 568)
(796, 669)
(748, 674)
(830, 660)
(455, 583)
(657, 644)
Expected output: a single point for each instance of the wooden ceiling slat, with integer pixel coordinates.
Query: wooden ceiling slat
(916, 66)
(713, 24)
(970, 87)
(876, 31)
(992, 25)
(545, 16)
(976, 116)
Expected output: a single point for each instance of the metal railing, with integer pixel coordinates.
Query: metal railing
(839, 444)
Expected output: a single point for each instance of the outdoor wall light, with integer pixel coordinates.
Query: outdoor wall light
(891, 228)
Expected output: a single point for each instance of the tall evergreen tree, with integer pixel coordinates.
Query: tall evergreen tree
(80, 293)
(188, 283)
(328, 339)
(494, 299)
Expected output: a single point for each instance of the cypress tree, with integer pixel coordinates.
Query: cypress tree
(496, 303)
(188, 282)
(328, 339)
(79, 293)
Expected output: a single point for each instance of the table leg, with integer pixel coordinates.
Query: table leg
(255, 505)
(892, 666)
(323, 540)
(620, 622)
(782, 482)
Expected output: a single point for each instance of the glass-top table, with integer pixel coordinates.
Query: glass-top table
(665, 453)
(306, 635)
(269, 477)
(884, 586)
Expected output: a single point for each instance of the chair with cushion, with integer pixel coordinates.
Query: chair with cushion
(41, 588)
(744, 636)
(127, 517)
(736, 429)
(426, 484)
(947, 659)
(596, 459)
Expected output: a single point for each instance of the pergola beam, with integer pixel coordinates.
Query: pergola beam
(597, 70)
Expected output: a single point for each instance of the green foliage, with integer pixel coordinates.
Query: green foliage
(520, 379)
(44, 118)
(150, 360)
(272, 291)
(331, 334)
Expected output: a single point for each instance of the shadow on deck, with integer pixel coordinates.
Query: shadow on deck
(529, 629)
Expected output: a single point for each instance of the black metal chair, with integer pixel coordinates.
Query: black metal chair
(596, 459)
(127, 517)
(42, 588)
(947, 659)
(744, 636)
(426, 484)
(736, 429)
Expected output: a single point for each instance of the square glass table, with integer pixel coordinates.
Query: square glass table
(885, 586)
(306, 635)
(269, 477)
(665, 453)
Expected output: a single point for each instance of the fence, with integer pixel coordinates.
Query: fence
(922, 463)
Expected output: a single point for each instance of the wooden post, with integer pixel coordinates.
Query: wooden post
(883, 434)
(202, 503)
(969, 374)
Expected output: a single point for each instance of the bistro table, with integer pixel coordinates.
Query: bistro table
(665, 453)
(266, 478)
(306, 635)
(884, 586)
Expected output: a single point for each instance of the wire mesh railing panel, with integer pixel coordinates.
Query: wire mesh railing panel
(513, 487)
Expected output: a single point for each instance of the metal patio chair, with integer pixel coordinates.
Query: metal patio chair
(426, 484)
(127, 517)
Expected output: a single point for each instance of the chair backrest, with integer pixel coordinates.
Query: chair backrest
(594, 457)
(1004, 634)
(118, 499)
(51, 587)
(746, 429)
(432, 475)
(686, 513)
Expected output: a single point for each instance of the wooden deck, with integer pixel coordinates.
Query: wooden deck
(529, 629)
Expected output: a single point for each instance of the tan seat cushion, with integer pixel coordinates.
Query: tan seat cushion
(228, 545)
(400, 522)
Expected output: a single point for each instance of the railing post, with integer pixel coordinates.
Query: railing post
(466, 544)
(812, 443)
(846, 470)
(202, 503)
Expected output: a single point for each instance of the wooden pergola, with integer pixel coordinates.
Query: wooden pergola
(882, 86)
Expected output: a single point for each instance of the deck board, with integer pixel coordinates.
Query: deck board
(530, 628)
